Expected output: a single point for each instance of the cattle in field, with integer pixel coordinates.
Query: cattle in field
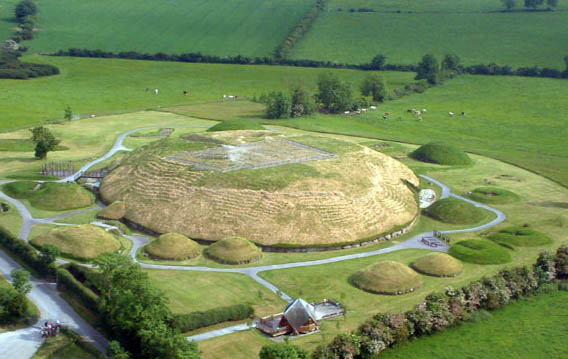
(373, 107)
(451, 113)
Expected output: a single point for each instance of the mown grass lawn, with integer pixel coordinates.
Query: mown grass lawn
(214, 27)
(531, 328)
(438, 27)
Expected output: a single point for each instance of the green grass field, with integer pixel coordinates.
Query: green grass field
(214, 27)
(103, 86)
(7, 21)
(438, 27)
(525, 329)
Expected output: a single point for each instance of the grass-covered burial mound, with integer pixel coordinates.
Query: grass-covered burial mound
(441, 154)
(438, 265)
(387, 278)
(51, 196)
(234, 250)
(455, 211)
(520, 237)
(113, 212)
(234, 125)
(480, 251)
(82, 242)
(173, 246)
(493, 195)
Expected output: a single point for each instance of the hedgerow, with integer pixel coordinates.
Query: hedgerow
(196, 320)
(43, 264)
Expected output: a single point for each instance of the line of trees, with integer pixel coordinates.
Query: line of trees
(13, 303)
(25, 12)
(531, 4)
(440, 311)
(12, 68)
(378, 63)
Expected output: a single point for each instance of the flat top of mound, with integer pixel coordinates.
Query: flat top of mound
(51, 196)
(234, 250)
(441, 154)
(439, 265)
(480, 251)
(263, 186)
(453, 210)
(520, 237)
(493, 195)
(233, 125)
(173, 246)
(84, 241)
(387, 278)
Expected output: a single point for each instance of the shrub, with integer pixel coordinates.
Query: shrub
(282, 351)
(278, 105)
(561, 262)
(441, 154)
(24, 9)
(480, 251)
(544, 268)
(455, 211)
(196, 320)
(333, 94)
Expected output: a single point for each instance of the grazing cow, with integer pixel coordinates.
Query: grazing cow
(363, 110)
(224, 97)
(451, 113)
(409, 110)
(373, 107)
(424, 110)
(185, 92)
(387, 113)
(347, 112)
(231, 97)
(156, 91)
(147, 89)
(417, 112)
(463, 113)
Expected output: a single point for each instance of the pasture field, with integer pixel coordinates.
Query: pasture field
(197, 291)
(11, 220)
(214, 27)
(104, 86)
(438, 27)
(7, 20)
(525, 329)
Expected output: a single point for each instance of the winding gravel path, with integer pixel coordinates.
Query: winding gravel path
(47, 298)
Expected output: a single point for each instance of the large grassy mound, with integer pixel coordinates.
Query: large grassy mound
(493, 195)
(387, 278)
(233, 125)
(438, 265)
(234, 250)
(81, 242)
(260, 185)
(480, 251)
(441, 154)
(173, 246)
(520, 237)
(51, 196)
(452, 210)
(114, 211)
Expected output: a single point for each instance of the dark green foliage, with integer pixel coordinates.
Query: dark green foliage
(13, 305)
(480, 251)
(24, 9)
(520, 237)
(282, 351)
(278, 105)
(12, 68)
(442, 154)
(333, 94)
(544, 268)
(234, 125)
(451, 65)
(68, 113)
(43, 264)
(428, 69)
(533, 4)
(378, 62)
(44, 140)
(115, 351)
(455, 211)
(67, 282)
(374, 85)
(561, 262)
(302, 102)
(196, 320)
(137, 313)
(551, 3)
(509, 4)
(21, 281)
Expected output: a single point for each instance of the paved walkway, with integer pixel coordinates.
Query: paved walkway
(220, 332)
(58, 308)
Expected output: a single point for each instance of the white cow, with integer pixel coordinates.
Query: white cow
(373, 107)
(451, 113)
(156, 91)
(424, 110)
(347, 112)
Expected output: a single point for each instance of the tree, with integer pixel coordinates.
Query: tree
(18, 305)
(68, 113)
(25, 8)
(451, 62)
(282, 351)
(551, 3)
(544, 268)
(48, 255)
(533, 3)
(44, 141)
(428, 69)
(374, 85)
(21, 281)
(561, 262)
(333, 94)
(378, 62)
(278, 105)
(302, 102)
(509, 4)
(115, 351)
